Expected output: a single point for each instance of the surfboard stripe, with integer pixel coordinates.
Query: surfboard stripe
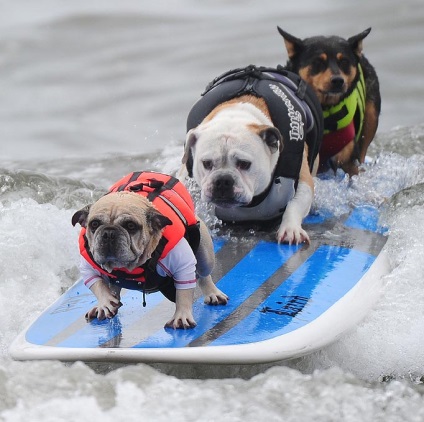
(107, 329)
(300, 300)
(258, 265)
(255, 299)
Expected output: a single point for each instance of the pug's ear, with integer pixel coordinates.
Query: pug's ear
(156, 220)
(81, 216)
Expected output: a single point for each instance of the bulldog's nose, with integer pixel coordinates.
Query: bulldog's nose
(223, 187)
(337, 83)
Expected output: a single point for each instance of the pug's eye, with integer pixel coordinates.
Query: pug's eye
(243, 164)
(94, 225)
(207, 164)
(131, 227)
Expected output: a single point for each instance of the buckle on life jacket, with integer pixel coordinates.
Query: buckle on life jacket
(152, 184)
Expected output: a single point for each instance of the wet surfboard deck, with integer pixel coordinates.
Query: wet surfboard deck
(285, 302)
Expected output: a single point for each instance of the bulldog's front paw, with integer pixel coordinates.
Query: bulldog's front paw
(292, 234)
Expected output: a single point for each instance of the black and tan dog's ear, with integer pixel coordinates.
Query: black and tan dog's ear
(356, 41)
(80, 216)
(156, 220)
(293, 45)
(273, 138)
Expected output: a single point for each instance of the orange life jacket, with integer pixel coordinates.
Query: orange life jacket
(170, 198)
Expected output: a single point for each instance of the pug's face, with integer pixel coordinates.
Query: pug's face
(122, 229)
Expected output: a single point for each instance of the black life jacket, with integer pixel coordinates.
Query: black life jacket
(292, 104)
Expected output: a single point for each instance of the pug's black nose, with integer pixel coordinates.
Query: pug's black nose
(337, 83)
(108, 235)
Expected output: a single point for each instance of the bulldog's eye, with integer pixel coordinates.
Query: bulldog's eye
(243, 164)
(130, 226)
(207, 164)
(94, 225)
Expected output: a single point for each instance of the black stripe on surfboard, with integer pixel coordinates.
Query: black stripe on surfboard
(269, 286)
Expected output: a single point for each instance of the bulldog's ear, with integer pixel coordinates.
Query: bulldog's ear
(293, 45)
(156, 220)
(273, 138)
(191, 139)
(356, 41)
(80, 216)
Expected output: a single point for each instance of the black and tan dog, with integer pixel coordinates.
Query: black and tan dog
(348, 89)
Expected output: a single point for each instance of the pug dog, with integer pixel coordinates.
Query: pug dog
(120, 234)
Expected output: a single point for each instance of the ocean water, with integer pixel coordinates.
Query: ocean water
(90, 91)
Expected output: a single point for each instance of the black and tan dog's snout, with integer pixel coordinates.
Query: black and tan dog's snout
(337, 83)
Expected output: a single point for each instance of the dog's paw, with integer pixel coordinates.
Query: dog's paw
(103, 311)
(216, 298)
(292, 235)
(181, 320)
(211, 294)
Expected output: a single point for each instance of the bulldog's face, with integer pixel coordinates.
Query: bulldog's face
(122, 229)
(233, 166)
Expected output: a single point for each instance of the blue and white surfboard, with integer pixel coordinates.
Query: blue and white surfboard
(285, 301)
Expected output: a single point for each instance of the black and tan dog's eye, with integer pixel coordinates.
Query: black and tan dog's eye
(207, 164)
(318, 65)
(94, 225)
(344, 64)
(243, 164)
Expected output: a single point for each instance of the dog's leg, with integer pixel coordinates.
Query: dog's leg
(183, 316)
(297, 209)
(345, 159)
(205, 262)
(369, 129)
(108, 301)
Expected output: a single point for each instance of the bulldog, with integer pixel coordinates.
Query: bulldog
(120, 235)
(240, 158)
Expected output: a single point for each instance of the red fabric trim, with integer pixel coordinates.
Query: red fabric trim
(335, 141)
